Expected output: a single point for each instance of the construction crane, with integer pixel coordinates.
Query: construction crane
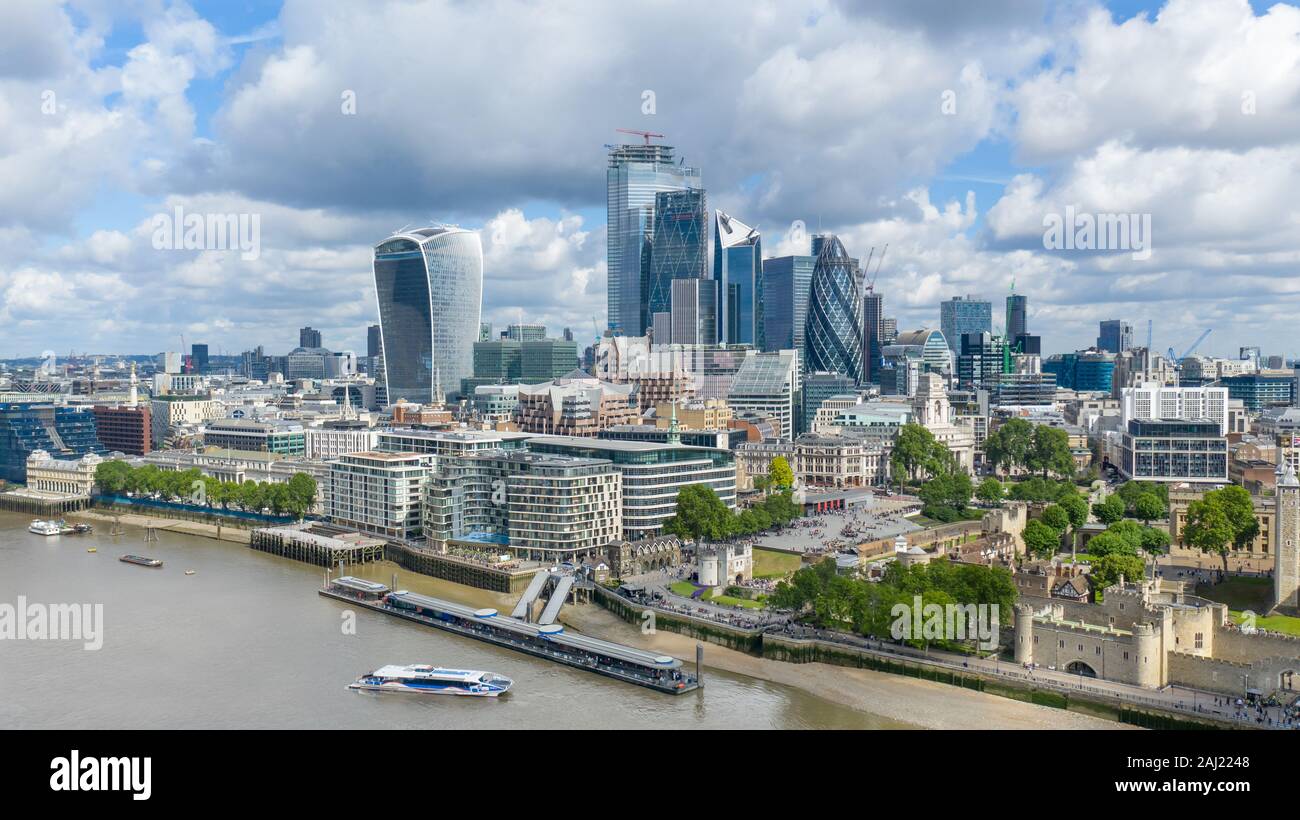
(1177, 360)
(871, 284)
(646, 135)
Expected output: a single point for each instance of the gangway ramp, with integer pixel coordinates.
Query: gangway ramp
(535, 586)
(556, 600)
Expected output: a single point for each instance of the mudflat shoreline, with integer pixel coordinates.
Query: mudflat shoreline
(202, 529)
(910, 702)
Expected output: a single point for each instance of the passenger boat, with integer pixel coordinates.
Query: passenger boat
(141, 560)
(92, 549)
(45, 527)
(432, 680)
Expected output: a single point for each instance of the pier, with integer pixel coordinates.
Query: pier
(550, 641)
(318, 544)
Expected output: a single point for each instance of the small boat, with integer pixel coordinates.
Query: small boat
(432, 680)
(45, 527)
(91, 549)
(141, 560)
(189, 572)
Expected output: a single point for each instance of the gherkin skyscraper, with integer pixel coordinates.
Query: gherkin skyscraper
(833, 327)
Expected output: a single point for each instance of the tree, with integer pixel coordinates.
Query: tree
(913, 451)
(779, 474)
(1154, 541)
(1007, 447)
(701, 515)
(1075, 507)
(990, 491)
(1148, 507)
(1056, 518)
(1208, 528)
(1240, 510)
(1049, 451)
(1040, 539)
(952, 490)
(111, 476)
(1109, 510)
(1107, 543)
(1111, 567)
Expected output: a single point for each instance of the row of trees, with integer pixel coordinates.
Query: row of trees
(835, 601)
(293, 497)
(1145, 501)
(991, 491)
(701, 515)
(1018, 444)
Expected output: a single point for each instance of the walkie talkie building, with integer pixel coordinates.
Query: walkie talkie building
(429, 285)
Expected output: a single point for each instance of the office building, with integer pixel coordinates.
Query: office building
(634, 175)
(339, 438)
(1170, 450)
(959, 316)
(309, 337)
(679, 248)
(374, 345)
(576, 405)
(787, 281)
(1017, 316)
(1115, 336)
(652, 474)
(833, 333)
(980, 361)
(62, 432)
(199, 358)
(768, 384)
(1158, 401)
(1082, 371)
(819, 386)
(525, 332)
(429, 286)
(873, 335)
(738, 270)
(124, 429)
(279, 437)
(694, 314)
(1262, 390)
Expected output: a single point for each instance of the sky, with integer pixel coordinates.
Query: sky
(952, 132)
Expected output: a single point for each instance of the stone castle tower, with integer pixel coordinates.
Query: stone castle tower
(1286, 540)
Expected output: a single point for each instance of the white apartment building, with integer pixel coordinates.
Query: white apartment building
(379, 493)
(1158, 401)
(332, 442)
(173, 414)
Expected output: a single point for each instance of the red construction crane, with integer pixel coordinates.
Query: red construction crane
(645, 134)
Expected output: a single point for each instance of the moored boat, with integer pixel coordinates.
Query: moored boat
(141, 560)
(45, 527)
(433, 680)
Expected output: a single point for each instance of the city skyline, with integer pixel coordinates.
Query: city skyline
(168, 105)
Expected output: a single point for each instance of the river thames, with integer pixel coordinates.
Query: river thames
(245, 642)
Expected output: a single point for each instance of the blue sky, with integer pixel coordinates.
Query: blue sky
(494, 114)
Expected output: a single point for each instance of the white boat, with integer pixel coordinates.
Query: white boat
(45, 527)
(433, 680)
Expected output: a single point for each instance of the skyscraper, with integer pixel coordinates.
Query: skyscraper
(634, 175)
(873, 335)
(1017, 311)
(373, 343)
(199, 358)
(786, 281)
(738, 267)
(959, 316)
(679, 248)
(694, 314)
(833, 331)
(1115, 336)
(309, 337)
(429, 286)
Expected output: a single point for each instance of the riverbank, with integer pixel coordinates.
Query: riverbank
(910, 702)
(103, 518)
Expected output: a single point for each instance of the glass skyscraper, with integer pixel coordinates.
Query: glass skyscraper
(873, 335)
(959, 316)
(786, 280)
(833, 332)
(738, 267)
(1017, 316)
(679, 248)
(429, 286)
(635, 174)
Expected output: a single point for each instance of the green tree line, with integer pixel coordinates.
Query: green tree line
(293, 497)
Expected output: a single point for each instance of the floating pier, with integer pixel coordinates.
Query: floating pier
(659, 672)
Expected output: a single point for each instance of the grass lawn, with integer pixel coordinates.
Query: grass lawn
(772, 564)
(1274, 623)
(1240, 593)
(683, 588)
(727, 600)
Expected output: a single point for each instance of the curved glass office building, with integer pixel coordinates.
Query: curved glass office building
(429, 285)
(833, 336)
